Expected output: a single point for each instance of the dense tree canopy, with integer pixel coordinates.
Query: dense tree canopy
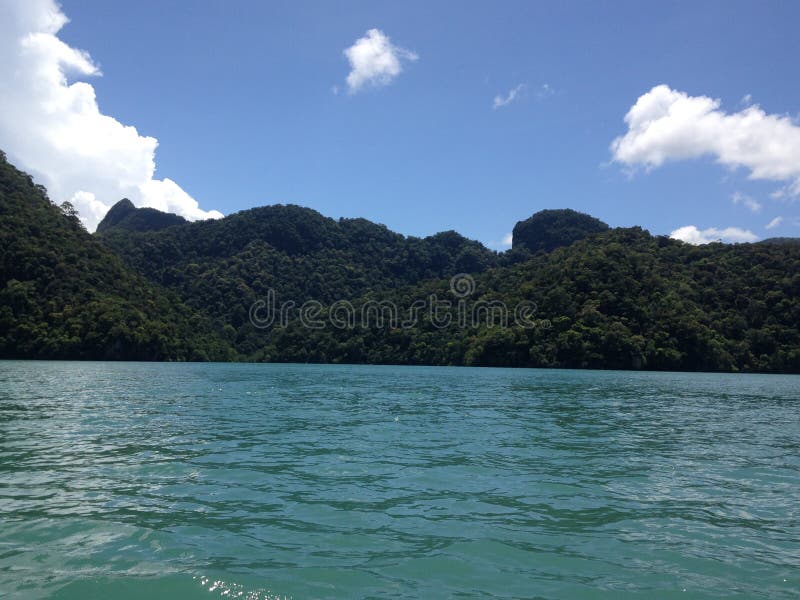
(124, 215)
(63, 294)
(623, 300)
(551, 229)
(295, 251)
(593, 297)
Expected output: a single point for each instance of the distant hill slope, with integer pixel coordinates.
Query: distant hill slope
(781, 240)
(63, 294)
(124, 215)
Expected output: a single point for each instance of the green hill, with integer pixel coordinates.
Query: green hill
(63, 294)
(220, 267)
(781, 240)
(551, 229)
(623, 299)
(124, 215)
(571, 293)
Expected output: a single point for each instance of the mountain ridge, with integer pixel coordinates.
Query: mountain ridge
(612, 298)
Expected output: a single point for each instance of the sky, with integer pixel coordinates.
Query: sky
(424, 116)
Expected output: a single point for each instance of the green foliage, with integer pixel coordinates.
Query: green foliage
(551, 229)
(781, 240)
(218, 266)
(621, 300)
(603, 298)
(65, 295)
(124, 215)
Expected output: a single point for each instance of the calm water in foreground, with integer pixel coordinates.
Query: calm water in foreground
(131, 480)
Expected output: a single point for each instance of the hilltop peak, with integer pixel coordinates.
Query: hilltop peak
(124, 215)
(552, 228)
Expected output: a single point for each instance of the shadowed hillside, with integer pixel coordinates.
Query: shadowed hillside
(63, 294)
(124, 215)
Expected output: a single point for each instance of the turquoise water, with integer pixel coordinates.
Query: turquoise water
(133, 480)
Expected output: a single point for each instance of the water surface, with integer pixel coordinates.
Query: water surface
(135, 480)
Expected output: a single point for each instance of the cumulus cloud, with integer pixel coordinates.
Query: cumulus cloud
(666, 125)
(375, 61)
(512, 95)
(53, 128)
(753, 206)
(693, 235)
(774, 223)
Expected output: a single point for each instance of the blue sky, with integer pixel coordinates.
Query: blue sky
(250, 106)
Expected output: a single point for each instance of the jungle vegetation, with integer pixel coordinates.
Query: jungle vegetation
(151, 286)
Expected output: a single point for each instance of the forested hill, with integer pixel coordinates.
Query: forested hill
(124, 215)
(623, 300)
(294, 250)
(63, 294)
(551, 229)
(154, 287)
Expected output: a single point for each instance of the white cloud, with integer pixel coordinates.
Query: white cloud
(503, 244)
(774, 223)
(512, 95)
(374, 60)
(790, 191)
(693, 235)
(753, 205)
(54, 129)
(666, 125)
(545, 91)
(518, 93)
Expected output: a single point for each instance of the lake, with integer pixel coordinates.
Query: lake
(137, 480)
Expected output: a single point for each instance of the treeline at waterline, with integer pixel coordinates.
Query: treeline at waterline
(571, 292)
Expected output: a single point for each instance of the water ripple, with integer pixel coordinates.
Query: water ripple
(301, 481)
